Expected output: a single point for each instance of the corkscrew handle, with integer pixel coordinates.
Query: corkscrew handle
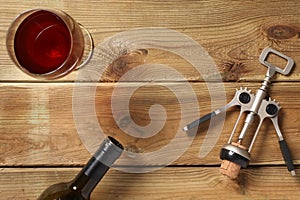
(284, 148)
(272, 69)
(199, 121)
(287, 156)
(208, 116)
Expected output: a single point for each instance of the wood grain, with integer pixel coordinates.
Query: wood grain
(39, 144)
(233, 36)
(37, 122)
(169, 183)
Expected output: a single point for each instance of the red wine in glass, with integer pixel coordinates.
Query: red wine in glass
(46, 43)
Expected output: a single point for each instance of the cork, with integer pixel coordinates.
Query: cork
(231, 169)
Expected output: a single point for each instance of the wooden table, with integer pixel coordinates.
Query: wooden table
(39, 144)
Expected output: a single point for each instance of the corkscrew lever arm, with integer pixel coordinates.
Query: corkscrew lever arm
(284, 148)
(208, 116)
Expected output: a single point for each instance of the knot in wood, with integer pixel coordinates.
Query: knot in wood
(125, 122)
(232, 70)
(124, 63)
(132, 150)
(281, 32)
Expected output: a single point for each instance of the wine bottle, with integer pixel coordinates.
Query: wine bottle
(81, 187)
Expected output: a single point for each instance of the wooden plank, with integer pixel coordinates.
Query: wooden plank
(233, 34)
(168, 183)
(37, 125)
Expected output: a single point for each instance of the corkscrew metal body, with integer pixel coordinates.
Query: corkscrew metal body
(234, 154)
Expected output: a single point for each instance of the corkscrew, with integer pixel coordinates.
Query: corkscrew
(235, 155)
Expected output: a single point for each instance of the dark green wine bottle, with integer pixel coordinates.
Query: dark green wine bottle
(81, 187)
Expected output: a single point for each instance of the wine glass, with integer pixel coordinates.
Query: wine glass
(48, 43)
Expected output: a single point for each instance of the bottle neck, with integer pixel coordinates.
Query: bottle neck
(89, 177)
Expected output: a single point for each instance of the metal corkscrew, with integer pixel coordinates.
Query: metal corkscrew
(235, 155)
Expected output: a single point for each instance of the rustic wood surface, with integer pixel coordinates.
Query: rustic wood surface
(37, 130)
(39, 144)
(173, 183)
